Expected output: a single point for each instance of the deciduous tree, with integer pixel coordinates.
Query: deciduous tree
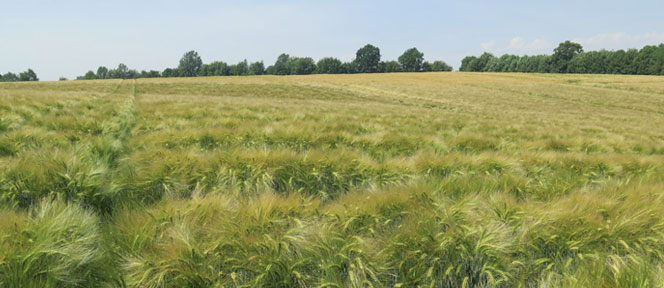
(564, 53)
(190, 64)
(367, 59)
(257, 68)
(28, 76)
(411, 60)
(329, 65)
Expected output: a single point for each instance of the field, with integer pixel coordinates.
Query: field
(383, 180)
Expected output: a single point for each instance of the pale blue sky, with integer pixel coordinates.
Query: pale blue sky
(67, 38)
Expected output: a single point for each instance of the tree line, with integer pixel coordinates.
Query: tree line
(569, 57)
(367, 60)
(28, 75)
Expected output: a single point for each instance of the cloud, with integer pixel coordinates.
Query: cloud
(620, 40)
(488, 45)
(518, 45)
(521, 46)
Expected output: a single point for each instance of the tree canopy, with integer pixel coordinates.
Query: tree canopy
(440, 66)
(9, 77)
(329, 65)
(257, 68)
(239, 69)
(102, 73)
(190, 64)
(28, 75)
(569, 57)
(411, 60)
(563, 54)
(367, 59)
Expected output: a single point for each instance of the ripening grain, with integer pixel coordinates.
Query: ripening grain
(383, 180)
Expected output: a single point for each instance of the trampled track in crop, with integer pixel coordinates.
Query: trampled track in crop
(383, 180)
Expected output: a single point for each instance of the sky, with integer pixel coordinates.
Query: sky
(67, 38)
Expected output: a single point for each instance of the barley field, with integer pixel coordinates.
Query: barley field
(376, 180)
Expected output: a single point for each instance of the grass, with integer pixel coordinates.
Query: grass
(52, 245)
(390, 180)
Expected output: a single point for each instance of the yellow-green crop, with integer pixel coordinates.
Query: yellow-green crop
(367, 180)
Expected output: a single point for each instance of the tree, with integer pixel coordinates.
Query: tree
(329, 65)
(301, 66)
(477, 64)
(9, 77)
(367, 59)
(217, 68)
(426, 66)
(121, 72)
(544, 64)
(564, 53)
(657, 67)
(440, 66)
(349, 67)
(596, 62)
(257, 68)
(617, 61)
(190, 64)
(205, 68)
(569, 57)
(280, 67)
(411, 60)
(62, 78)
(154, 74)
(169, 72)
(506, 63)
(630, 61)
(391, 67)
(132, 74)
(28, 76)
(102, 72)
(480, 64)
(649, 60)
(466, 63)
(149, 74)
(89, 76)
(239, 69)
(381, 67)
